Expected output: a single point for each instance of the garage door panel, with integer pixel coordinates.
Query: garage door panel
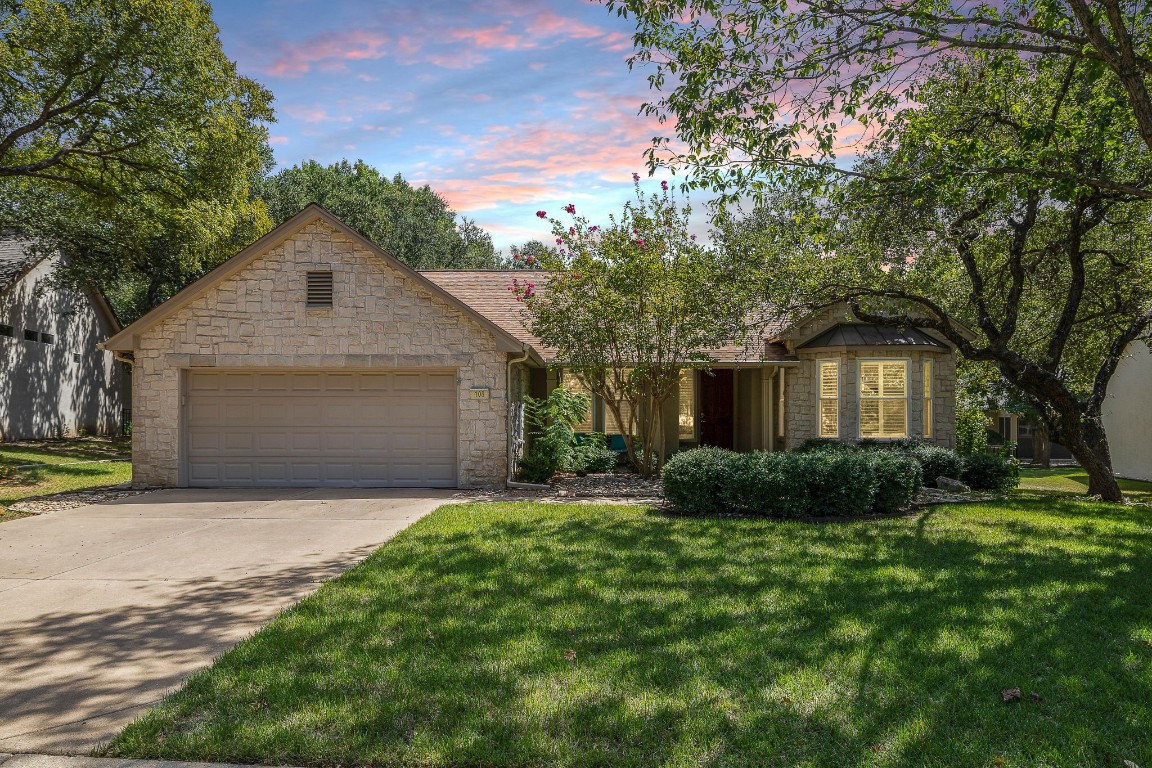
(342, 429)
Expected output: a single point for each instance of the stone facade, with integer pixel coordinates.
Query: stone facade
(257, 319)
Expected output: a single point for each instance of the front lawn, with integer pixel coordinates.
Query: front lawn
(533, 634)
(63, 473)
(1073, 480)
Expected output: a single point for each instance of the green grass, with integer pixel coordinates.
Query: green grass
(1073, 480)
(61, 474)
(533, 635)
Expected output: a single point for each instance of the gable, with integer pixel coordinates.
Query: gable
(265, 285)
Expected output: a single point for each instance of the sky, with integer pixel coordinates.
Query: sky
(504, 108)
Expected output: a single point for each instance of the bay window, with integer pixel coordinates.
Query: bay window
(884, 398)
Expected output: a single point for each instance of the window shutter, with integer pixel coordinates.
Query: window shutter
(320, 289)
(829, 400)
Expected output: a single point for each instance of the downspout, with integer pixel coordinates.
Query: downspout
(511, 404)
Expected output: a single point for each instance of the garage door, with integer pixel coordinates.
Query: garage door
(321, 429)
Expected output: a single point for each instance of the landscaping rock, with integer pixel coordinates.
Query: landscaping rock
(951, 484)
(1011, 694)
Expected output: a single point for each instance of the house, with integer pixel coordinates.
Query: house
(54, 378)
(314, 358)
(1127, 413)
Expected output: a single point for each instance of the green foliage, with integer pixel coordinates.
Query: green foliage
(991, 472)
(629, 304)
(551, 423)
(818, 482)
(591, 455)
(898, 479)
(824, 444)
(413, 224)
(839, 482)
(971, 432)
(694, 481)
(765, 483)
(128, 140)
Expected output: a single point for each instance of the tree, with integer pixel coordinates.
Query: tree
(1053, 276)
(628, 306)
(758, 87)
(414, 224)
(106, 95)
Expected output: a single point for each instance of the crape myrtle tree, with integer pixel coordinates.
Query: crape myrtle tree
(1028, 172)
(628, 306)
(1044, 278)
(412, 223)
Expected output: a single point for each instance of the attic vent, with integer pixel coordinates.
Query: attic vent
(320, 289)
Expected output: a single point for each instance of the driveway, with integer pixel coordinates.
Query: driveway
(106, 608)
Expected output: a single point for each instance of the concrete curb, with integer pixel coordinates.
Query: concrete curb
(60, 761)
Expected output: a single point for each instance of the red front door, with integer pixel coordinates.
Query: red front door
(716, 390)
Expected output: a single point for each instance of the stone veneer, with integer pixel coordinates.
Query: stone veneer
(256, 319)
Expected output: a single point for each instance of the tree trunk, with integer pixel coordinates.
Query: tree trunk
(1041, 445)
(1085, 438)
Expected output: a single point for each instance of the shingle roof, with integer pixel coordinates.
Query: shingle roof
(866, 334)
(487, 292)
(15, 260)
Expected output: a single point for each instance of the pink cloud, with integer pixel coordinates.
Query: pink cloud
(296, 59)
(277, 139)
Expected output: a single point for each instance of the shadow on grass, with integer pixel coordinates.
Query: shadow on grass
(528, 635)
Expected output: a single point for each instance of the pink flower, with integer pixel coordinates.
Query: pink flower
(635, 177)
(692, 238)
(559, 241)
(635, 231)
(640, 242)
(541, 214)
(664, 186)
(593, 228)
(531, 259)
(570, 208)
(515, 256)
(571, 230)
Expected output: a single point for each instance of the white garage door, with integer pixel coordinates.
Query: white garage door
(339, 429)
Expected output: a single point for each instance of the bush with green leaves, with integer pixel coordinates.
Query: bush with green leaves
(552, 427)
(766, 484)
(898, 479)
(694, 480)
(591, 455)
(971, 431)
(991, 472)
(824, 444)
(839, 482)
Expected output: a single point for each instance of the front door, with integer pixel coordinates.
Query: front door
(716, 401)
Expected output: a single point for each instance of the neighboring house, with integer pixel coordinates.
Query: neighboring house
(1010, 427)
(314, 358)
(54, 378)
(1127, 414)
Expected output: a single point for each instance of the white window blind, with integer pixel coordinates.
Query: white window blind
(687, 409)
(883, 398)
(928, 400)
(830, 399)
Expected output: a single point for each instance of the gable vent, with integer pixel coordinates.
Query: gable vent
(320, 289)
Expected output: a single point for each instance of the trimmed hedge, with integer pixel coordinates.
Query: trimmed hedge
(991, 472)
(818, 483)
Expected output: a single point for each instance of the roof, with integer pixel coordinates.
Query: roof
(126, 340)
(486, 291)
(868, 335)
(15, 260)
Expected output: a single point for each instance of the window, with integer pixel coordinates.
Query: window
(31, 335)
(928, 414)
(319, 289)
(572, 384)
(46, 338)
(687, 408)
(6, 330)
(883, 398)
(830, 399)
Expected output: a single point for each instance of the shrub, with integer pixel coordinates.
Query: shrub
(936, 461)
(552, 421)
(592, 455)
(693, 480)
(991, 472)
(766, 484)
(823, 444)
(898, 479)
(839, 482)
(971, 431)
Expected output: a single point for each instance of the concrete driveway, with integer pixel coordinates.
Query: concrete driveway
(106, 608)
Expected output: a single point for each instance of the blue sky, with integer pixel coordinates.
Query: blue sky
(504, 108)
